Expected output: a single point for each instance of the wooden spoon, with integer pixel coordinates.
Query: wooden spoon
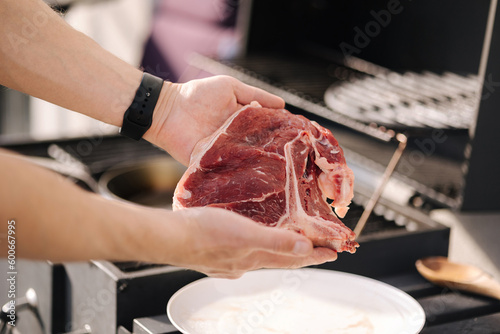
(442, 272)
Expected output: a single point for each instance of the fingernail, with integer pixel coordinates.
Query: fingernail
(302, 248)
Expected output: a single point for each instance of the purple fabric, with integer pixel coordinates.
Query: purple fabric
(181, 27)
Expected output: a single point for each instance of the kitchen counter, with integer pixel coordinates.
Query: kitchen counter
(474, 238)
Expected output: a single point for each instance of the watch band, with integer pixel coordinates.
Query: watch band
(139, 116)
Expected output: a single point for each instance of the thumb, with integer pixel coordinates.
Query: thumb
(285, 242)
(246, 94)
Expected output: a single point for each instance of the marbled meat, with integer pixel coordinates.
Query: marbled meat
(276, 168)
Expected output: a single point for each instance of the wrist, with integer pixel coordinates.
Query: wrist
(138, 117)
(157, 133)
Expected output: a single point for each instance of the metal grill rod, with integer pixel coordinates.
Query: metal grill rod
(380, 188)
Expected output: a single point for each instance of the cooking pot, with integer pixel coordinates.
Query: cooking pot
(149, 182)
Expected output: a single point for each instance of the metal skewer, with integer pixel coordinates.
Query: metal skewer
(385, 178)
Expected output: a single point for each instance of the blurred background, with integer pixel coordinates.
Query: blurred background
(155, 35)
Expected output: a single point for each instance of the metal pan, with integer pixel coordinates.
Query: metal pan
(150, 182)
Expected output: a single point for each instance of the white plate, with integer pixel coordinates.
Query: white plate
(294, 301)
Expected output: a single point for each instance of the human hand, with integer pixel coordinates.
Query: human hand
(194, 110)
(67, 223)
(223, 244)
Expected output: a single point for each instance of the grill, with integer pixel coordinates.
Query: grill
(108, 296)
(408, 100)
(402, 101)
(304, 82)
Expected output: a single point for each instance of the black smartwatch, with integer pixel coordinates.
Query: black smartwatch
(139, 116)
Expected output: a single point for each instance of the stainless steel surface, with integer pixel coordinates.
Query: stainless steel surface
(474, 238)
(28, 302)
(76, 167)
(409, 99)
(153, 325)
(14, 115)
(36, 281)
(105, 297)
(59, 154)
(85, 330)
(93, 298)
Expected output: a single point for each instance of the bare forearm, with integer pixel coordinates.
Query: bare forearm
(58, 221)
(43, 56)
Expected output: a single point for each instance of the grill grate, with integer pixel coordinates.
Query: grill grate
(399, 101)
(97, 153)
(415, 100)
(376, 223)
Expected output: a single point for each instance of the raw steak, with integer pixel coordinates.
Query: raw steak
(277, 169)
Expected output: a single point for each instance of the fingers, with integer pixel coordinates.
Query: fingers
(279, 241)
(246, 94)
(263, 259)
(279, 248)
(319, 255)
(276, 248)
(232, 244)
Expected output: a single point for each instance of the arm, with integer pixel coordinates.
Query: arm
(41, 55)
(57, 220)
(44, 57)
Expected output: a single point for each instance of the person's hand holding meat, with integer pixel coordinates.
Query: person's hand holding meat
(192, 111)
(236, 244)
(66, 223)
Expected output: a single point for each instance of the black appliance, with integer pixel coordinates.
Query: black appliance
(377, 68)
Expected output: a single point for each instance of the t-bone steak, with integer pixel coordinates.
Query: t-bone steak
(276, 168)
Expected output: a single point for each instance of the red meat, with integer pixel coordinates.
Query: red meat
(277, 169)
